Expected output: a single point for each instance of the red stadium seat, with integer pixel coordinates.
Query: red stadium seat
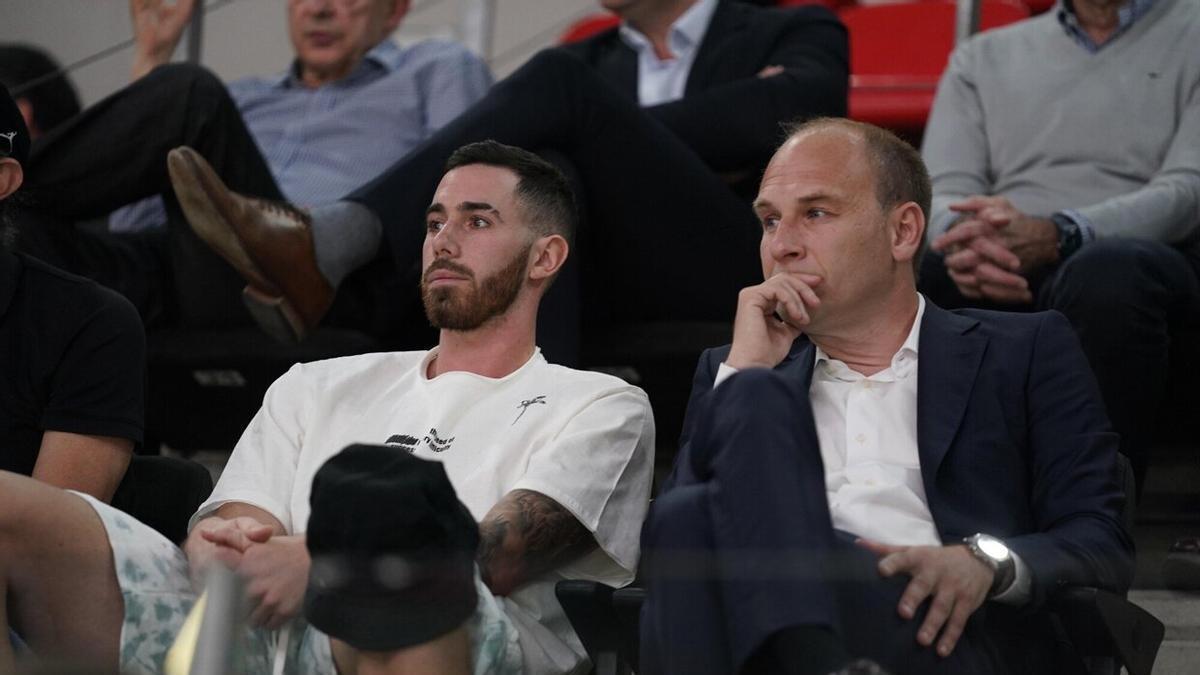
(587, 27)
(829, 4)
(1039, 6)
(898, 52)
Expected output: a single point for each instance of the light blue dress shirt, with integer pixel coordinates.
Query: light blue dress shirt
(664, 80)
(323, 143)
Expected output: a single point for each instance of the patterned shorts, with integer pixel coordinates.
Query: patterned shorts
(158, 594)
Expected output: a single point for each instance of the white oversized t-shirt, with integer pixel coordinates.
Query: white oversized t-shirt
(584, 439)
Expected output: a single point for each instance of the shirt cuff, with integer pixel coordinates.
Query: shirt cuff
(1021, 589)
(1086, 229)
(723, 373)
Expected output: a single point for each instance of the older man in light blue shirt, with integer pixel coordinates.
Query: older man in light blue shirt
(349, 105)
(323, 142)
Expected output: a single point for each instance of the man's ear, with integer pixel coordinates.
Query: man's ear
(26, 109)
(908, 230)
(11, 176)
(547, 256)
(396, 15)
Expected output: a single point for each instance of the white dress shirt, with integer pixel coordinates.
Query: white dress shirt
(663, 80)
(867, 430)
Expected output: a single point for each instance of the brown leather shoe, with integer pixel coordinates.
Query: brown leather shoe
(269, 243)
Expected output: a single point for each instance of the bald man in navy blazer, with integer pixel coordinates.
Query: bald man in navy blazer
(864, 474)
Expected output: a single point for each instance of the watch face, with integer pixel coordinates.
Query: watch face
(993, 548)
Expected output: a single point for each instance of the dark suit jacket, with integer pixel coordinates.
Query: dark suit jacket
(1013, 441)
(728, 116)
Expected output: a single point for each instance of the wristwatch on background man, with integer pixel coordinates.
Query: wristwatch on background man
(1070, 236)
(996, 555)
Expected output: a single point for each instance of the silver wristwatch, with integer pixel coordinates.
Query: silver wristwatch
(996, 555)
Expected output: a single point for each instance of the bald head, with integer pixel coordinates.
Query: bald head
(900, 173)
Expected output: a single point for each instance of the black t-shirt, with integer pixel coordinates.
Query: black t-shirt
(72, 359)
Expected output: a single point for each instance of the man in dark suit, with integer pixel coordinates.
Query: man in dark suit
(665, 121)
(864, 473)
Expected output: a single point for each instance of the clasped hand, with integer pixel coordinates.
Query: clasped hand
(954, 581)
(273, 567)
(993, 247)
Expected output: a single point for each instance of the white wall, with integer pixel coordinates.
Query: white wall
(243, 37)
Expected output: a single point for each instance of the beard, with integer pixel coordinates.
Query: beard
(463, 309)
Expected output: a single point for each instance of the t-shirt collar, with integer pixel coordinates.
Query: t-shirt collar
(423, 372)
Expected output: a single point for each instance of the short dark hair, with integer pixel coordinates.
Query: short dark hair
(54, 100)
(900, 173)
(543, 192)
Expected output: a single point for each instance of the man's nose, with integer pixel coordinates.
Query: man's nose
(787, 242)
(445, 241)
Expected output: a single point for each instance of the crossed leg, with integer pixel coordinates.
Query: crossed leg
(57, 578)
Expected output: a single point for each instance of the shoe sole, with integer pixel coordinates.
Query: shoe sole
(207, 220)
(267, 306)
(274, 315)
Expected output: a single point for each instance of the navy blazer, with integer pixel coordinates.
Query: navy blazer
(1013, 441)
(730, 117)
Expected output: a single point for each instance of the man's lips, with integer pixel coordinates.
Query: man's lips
(444, 273)
(809, 278)
(321, 38)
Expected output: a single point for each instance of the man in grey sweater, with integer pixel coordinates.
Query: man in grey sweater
(1065, 157)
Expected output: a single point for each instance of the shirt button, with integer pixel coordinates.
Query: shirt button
(866, 384)
(870, 482)
(861, 438)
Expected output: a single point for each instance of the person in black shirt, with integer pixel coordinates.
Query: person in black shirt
(72, 358)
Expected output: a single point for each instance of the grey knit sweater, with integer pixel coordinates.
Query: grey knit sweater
(1025, 112)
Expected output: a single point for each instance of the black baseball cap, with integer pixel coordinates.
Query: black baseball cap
(14, 137)
(392, 547)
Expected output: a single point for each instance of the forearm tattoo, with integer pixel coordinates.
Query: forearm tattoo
(526, 535)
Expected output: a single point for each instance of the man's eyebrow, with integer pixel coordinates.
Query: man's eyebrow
(435, 207)
(761, 204)
(480, 206)
(818, 197)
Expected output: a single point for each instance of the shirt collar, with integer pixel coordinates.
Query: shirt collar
(904, 361)
(1130, 12)
(383, 57)
(685, 34)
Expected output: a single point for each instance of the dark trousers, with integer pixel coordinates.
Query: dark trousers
(1124, 297)
(749, 550)
(664, 237)
(115, 153)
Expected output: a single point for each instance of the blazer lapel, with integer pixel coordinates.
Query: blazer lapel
(622, 69)
(727, 20)
(951, 352)
(799, 361)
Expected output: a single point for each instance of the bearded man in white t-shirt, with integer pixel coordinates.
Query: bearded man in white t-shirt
(554, 463)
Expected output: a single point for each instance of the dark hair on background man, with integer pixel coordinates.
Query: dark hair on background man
(54, 101)
(900, 173)
(542, 190)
